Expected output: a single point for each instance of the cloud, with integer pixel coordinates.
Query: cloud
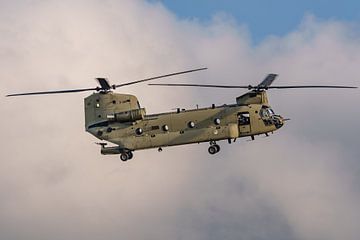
(300, 183)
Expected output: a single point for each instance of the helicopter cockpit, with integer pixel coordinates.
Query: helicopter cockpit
(270, 118)
(266, 113)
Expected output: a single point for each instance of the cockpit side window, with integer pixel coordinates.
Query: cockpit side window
(263, 113)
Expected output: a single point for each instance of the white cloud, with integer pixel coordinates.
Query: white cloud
(301, 183)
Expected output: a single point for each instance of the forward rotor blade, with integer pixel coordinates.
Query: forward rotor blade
(197, 85)
(162, 76)
(247, 87)
(310, 86)
(53, 92)
(268, 80)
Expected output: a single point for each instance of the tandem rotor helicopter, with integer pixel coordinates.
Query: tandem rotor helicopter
(119, 119)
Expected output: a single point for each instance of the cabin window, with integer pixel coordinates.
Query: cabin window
(191, 124)
(244, 118)
(139, 131)
(217, 121)
(155, 127)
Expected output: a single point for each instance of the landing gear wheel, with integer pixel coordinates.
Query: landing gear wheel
(212, 149)
(124, 157)
(217, 147)
(130, 155)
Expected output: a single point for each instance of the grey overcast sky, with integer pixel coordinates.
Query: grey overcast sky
(302, 182)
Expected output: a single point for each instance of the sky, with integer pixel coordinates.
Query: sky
(264, 18)
(302, 182)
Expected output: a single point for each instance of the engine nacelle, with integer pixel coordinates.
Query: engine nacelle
(127, 116)
(102, 107)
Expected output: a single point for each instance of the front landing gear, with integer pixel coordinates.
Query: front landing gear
(214, 148)
(126, 156)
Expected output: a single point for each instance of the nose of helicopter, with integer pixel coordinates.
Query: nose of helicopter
(278, 121)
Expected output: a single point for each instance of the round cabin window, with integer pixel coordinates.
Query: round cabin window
(191, 124)
(139, 131)
(217, 121)
(165, 128)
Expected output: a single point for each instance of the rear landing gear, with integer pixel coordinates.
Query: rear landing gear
(126, 156)
(214, 148)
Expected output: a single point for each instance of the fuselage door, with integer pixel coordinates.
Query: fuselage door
(244, 122)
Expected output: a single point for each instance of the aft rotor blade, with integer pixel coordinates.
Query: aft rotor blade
(162, 76)
(52, 92)
(309, 86)
(198, 85)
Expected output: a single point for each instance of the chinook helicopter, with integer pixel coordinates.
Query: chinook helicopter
(119, 118)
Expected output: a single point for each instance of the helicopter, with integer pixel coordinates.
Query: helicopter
(119, 119)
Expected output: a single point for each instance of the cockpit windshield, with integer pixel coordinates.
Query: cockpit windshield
(271, 112)
(266, 112)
